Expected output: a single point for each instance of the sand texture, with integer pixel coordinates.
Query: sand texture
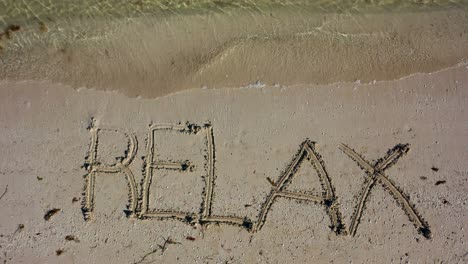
(349, 173)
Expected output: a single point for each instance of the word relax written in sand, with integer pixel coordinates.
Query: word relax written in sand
(139, 206)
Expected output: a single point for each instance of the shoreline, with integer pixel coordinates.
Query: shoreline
(150, 58)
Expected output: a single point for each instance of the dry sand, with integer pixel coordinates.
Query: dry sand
(330, 138)
(47, 133)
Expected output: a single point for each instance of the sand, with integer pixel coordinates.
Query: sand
(298, 139)
(47, 133)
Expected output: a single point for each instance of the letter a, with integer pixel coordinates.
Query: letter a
(307, 151)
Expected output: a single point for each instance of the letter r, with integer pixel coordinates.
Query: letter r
(94, 167)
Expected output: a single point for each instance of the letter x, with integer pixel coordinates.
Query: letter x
(375, 174)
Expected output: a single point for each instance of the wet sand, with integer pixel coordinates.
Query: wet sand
(150, 56)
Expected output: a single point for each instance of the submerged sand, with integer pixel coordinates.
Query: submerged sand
(155, 55)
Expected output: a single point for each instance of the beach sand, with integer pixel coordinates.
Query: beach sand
(279, 136)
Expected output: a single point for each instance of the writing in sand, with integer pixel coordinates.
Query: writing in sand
(139, 205)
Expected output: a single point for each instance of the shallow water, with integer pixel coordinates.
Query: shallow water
(25, 11)
(154, 48)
